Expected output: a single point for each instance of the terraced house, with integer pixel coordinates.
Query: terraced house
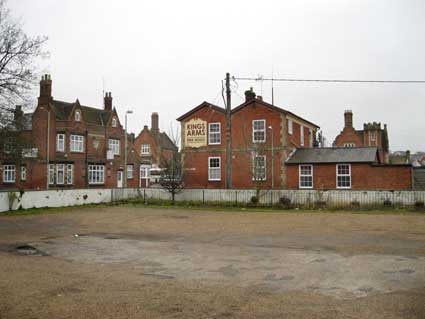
(73, 146)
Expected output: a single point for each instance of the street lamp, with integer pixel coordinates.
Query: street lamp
(48, 146)
(271, 129)
(125, 148)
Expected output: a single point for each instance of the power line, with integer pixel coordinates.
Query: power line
(327, 80)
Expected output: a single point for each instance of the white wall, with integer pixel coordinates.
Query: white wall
(72, 197)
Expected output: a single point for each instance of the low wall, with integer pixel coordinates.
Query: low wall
(333, 198)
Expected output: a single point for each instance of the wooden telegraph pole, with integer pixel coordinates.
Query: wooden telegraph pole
(228, 134)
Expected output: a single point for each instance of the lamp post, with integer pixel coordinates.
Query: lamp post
(271, 129)
(47, 147)
(125, 148)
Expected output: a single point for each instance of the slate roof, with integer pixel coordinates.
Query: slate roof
(91, 115)
(166, 142)
(333, 155)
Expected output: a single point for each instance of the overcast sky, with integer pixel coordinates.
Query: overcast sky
(169, 56)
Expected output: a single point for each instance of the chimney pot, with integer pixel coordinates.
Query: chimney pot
(249, 95)
(155, 123)
(348, 118)
(107, 102)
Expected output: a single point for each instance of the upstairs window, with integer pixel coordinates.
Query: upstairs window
(259, 168)
(306, 176)
(214, 168)
(258, 131)
(77, 116)
(114, 122)
(77, 143)
(114, 146)
(343, 176)
(290, 127)
(214, 133)
(301, 135)
(9, 173)
(146, 149)
(60, 142)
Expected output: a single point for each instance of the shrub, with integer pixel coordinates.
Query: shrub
(254, 200)
(285, 202)
(387, 203)
(419, 205)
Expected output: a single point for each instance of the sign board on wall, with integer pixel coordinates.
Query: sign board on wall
(195, 133)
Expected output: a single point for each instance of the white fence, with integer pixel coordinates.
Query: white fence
(309, 198)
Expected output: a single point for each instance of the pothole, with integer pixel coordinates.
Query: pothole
(29, 250)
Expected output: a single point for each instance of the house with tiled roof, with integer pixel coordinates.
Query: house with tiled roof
(74, 146)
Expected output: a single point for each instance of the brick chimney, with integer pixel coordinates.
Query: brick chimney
(107, 101)
(18, 116)
(45, 88)
(155, 123)
(249, 95)
(348, 118)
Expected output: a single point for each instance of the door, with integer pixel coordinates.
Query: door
(119, 179)
(144, 176)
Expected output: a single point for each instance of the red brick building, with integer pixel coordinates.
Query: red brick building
(73, 146)
(154, 147)
(372, 135)
(358, 168)
(262, 137)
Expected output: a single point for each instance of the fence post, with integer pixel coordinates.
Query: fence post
(112, 195)
(144, 196)
(203, 197)
(236, 198)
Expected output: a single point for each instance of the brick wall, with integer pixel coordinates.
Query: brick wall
(363, 176)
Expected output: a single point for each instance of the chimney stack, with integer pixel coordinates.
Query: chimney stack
(108, 101)
(348, 117)
(46, 87)
(155, 123)
(249, 95)
(18, 116)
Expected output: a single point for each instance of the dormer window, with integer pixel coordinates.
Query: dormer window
(114, 122)
(77, 116)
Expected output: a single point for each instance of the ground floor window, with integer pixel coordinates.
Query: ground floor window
(96, 174)
(214, 168)
(259, 168)
(23, 173)
(130, 171)
(343, 176)
(51, 174)
(60, 174)
(70, 174)
(306, 176)
(9, 173)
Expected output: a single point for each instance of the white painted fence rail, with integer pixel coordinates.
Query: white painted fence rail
(333, 198)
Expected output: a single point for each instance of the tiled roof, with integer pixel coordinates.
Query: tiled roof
(333, 155)
(91, 115)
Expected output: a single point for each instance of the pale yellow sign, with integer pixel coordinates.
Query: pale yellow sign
(195, 133)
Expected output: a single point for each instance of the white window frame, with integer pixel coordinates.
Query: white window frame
(77, 116)
(305, 175)
(130, 171)
(9, 173)
(23, 173)
(372, 135)
(114, 122)
(349, 145)
(254, 176)
(69, 174)
(254, 130)
(343, 175)
(51, 174)
(290, 127)
(76, 143)
(302, 135)
(145, 149)
(214, 134)
(60, 174)
(60, 142)
(96, 174)
(114, 146)
(214, 170)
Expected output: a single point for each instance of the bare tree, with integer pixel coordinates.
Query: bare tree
(172, 178)
(18, 55)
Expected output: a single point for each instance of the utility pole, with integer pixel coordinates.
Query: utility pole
(228, 133)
